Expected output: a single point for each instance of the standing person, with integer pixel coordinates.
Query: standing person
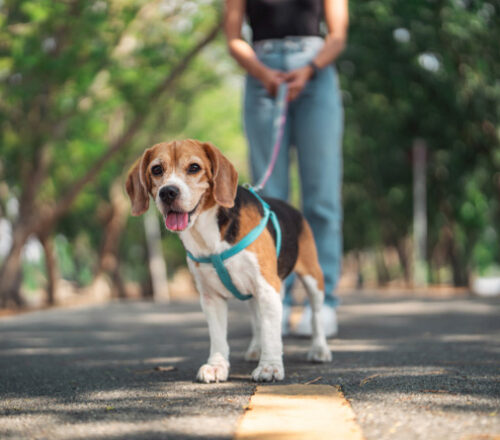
(287, 46)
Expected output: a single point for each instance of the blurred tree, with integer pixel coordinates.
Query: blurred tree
(84, 82)
(425, 69)
(81, 82)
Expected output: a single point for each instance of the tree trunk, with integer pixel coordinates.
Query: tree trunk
(51, 268)
(360, 282)
(383, 276)
(11, 273)
(459, 274)
(458, 270)
(147, 287)
(11, 268)
(157, 265)
(403, 259)
(119, 290)
(109, 259)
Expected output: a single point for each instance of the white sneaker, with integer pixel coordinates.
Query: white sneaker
(285, 321)
(328, 319)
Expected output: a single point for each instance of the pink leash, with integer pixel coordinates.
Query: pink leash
(278, 130)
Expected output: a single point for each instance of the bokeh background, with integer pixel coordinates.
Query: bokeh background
(87, 85)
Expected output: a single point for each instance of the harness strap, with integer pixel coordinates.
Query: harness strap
(226, 278)
(274, 220)
(217, 260)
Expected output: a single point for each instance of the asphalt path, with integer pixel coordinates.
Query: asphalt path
(411, 369)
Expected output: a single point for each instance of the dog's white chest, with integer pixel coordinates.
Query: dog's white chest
(203, 240)
(242, 268)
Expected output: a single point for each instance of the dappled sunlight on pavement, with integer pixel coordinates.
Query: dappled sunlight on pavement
(410, 368)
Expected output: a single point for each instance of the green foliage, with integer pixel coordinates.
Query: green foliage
(74, 75)
(214, 117)
(423, 70)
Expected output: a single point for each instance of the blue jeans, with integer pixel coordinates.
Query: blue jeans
(314, 127)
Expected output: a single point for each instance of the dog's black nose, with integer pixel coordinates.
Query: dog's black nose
(169, 193)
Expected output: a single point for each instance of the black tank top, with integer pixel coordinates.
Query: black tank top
(284, 18)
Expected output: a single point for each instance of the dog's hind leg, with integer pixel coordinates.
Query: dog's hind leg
(309, 271)
(319, 351)
(253, 351)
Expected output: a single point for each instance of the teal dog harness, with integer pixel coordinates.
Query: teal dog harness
(217, 260)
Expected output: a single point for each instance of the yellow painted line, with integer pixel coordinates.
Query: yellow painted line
(296, 412)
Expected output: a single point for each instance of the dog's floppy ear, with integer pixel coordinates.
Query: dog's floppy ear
(136, 185)
(224, 175)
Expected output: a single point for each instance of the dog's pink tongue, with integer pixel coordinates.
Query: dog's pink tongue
(177, 221)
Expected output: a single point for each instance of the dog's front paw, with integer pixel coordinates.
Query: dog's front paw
(213, 373)
(268, 372)
(319, 353)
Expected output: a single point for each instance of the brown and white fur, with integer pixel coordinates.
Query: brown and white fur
(193, 182)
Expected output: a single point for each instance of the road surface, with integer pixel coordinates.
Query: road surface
(411, 369)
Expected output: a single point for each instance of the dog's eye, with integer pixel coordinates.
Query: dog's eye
(157, 170)
(193, 168)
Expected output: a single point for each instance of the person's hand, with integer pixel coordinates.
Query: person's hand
(271, 79)
(297, 80)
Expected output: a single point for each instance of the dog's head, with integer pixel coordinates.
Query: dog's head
(184, 178)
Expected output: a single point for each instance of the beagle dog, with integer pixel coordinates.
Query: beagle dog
(196, 190)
